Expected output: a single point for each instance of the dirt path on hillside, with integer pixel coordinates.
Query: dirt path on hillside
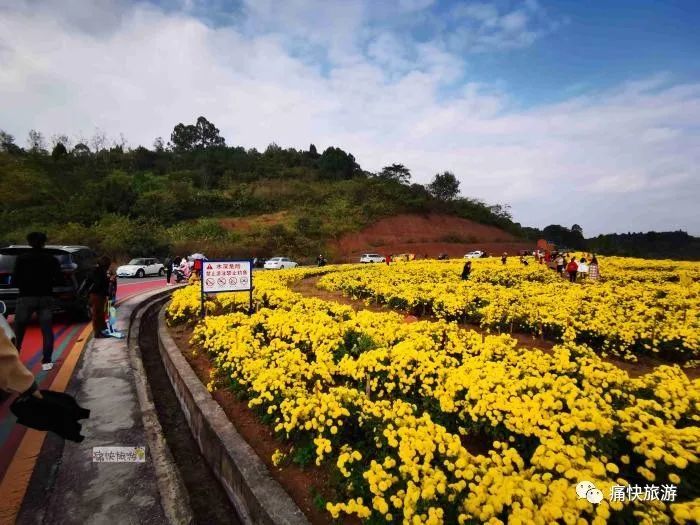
(309, 288)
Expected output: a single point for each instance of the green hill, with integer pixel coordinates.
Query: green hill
(185, 196)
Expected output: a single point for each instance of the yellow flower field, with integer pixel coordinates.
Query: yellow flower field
(640, 307)
(426, 422)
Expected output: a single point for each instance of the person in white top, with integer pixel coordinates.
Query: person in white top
(583, 267)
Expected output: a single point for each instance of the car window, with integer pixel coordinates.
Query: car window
(7, 263)
(138, 262)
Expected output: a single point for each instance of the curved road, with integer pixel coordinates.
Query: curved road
(69, 341)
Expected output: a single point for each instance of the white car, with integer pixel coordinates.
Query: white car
(279, 263)
(477, 254)
(372, 258)
(141, 268)
(4, 325)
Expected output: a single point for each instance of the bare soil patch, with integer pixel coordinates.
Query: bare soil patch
(245, 224)
(427, 235)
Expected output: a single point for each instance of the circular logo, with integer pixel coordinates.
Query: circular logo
(594, 496)
(244, 280)
(221, 281)
(232, 280)
(210, 282)
(583, 487)
(587, 490)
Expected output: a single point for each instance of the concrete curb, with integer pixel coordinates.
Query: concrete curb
(173, 494)
(255, 495)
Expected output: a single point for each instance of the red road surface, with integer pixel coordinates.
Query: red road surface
(66, 334)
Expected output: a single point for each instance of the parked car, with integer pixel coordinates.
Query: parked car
(477, 254)
(141, 268)
(443, 257)
(76, 262)
(5, 326)
(279, 263)
(259, 262)
(372, 258)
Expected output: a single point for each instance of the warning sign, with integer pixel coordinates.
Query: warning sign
(226, 276)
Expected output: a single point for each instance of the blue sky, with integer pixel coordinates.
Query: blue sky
(581, 112)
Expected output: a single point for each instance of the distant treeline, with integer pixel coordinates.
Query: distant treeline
(653, 245)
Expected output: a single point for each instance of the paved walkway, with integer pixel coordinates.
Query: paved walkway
(66, 487)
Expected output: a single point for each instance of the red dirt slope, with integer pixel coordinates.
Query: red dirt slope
(430, 235)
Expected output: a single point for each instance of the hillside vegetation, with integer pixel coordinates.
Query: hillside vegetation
(195, 193)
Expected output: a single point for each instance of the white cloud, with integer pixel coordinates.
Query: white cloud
(623, 159)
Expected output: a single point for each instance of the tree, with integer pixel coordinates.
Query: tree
(36, 142)
(60, 139)
(7, 143)
(202, 135)
(158, 144)
(445, 186)
(337, 164)
(577, 229)
(184, 137)
(208, 134)
(313, 152)
(98, 140)
(502, 211)
(59, 150)
(563, 236)
(396, 172)
(81, 150)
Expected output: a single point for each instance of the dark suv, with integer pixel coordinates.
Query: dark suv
(75, 261)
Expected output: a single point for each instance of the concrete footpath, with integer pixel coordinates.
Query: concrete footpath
(67, 487)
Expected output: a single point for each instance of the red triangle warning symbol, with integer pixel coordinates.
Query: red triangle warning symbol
(209, 267)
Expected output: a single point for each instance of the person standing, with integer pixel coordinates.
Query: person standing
(168, 264)
(34, 275)
(99, 292)
(504, 257)
(593, 270)
(572, 269)
(197, 267)
(559, 260)
(583, 268)
(467, 270)
(112, 278)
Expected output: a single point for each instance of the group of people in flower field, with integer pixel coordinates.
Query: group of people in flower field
(566, 266)
(571, 268)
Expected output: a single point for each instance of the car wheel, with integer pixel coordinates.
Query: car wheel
(140, 274)
(161, 272)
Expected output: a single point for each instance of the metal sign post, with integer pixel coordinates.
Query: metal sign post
(219, 276)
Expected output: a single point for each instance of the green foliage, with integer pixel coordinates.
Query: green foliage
(201, 135)
(147, 201)
(445, 186)
(396, 172)
(337, 164)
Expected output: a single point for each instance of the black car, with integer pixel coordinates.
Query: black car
(76, 262)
